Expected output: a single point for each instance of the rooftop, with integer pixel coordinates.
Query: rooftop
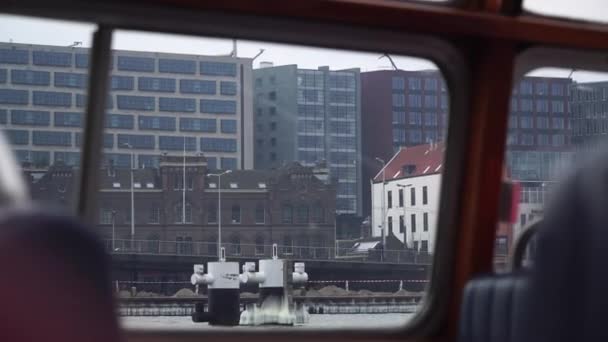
(419, 160)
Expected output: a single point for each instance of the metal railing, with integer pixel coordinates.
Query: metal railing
(209, 249)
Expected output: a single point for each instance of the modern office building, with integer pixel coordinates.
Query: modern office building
(158, 103)
(539, 146)
(588, 110)
(399, 109)
(311, 116)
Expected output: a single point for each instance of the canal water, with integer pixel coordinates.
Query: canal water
(337, 321)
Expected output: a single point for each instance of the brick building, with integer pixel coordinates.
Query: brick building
(291, 206)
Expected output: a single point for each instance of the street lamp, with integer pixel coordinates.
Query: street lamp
(403, 186)
(113, 230)
(381, 161)
(129, 146)
(219, 210)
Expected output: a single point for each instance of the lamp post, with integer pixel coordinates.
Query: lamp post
(383, 199)
(113, 230)
(129, 146)
(219, 210)
(404, 186)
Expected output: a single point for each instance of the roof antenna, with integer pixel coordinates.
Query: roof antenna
(386, 55)
(75, 44)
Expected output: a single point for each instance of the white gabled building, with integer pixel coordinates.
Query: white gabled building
(409, 210)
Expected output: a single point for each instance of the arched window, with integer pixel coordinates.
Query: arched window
(178, 213)
(234, 247)
(286, 213)
(259, 245)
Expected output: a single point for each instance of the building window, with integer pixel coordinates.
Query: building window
(414, 101)
(122, 83)
(302, 214)
(318, 215)
(30, 77)
(197, 87)
(18, 137)
(176, 66)
(260, 214)
(558, 123)
(211, 213)
(153, 243)
(70, 80)
(49, 58)
(136, 63)
(217, 69)
(30, 117)
(218, 106)
(390, 225)
(218, 145)
(235, 245)
(179, 213)
(228, 126)
(44, 138)
(390, 199)
(501, 246)
(67, 119)
(401, 224)
(11, 96)
(259, 245)
(154, 215)
(425, 199)
(401, 198)
(413, 222)
(176, 143)
(414, 83)
(412, 196)
(197, 125)
(424, 246)
(287, 245)
(136, 141)
(227, 88)
(542, 122)
(160, 123)
(106, 216)
(14, 56)
(398, 83)
(136, 102)
(398, 100)
(119, 121)
(415, 118)
(286, 213)
(52, 99)
(235, 214)
(172, 104)
(158, 84)
(425, 222)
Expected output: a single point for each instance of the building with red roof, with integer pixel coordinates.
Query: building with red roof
(405, 196)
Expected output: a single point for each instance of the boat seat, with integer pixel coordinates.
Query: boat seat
(56, 284)
(492, 308)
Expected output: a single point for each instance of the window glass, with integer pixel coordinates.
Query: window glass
(43, 85)
(538, 157)
(195, 145)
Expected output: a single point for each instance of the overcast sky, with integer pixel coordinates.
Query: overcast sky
(38, 31)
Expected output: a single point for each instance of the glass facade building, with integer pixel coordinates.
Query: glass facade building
(314, 117)
(157, 103)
